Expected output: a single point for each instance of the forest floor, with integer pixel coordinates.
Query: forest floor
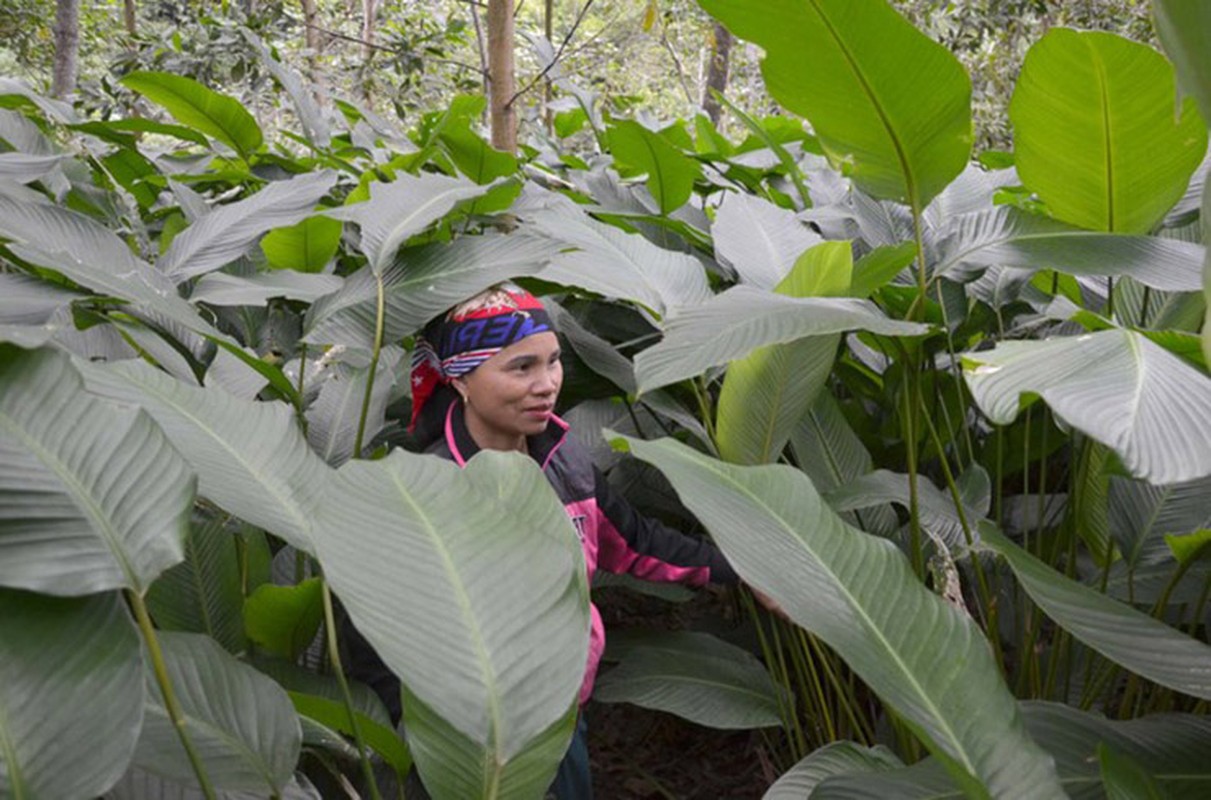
(639, 754)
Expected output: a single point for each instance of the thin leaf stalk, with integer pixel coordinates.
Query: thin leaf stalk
(704, 408)
(334, 660)
(1132, 695)
(960, 386)
(776, 664)
(844, 690)
(908, 424)
(380, 314)
(988, 608)
(171, 703)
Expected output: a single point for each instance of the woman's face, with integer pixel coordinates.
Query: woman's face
(512, 394)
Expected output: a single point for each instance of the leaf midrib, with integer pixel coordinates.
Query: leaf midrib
(300, 520)
(464, 603)
(85, 501)
(910, 183)
(911, 680)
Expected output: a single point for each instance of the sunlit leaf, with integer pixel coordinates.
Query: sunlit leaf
(887, 103)
(1096, 134)
(198, 107)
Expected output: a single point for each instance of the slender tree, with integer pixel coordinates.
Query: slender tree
(311, 33)
(716, 76)
(501, 75)
(128, 17)
(67, 46)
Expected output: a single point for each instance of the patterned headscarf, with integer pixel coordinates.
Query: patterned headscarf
(454, 345)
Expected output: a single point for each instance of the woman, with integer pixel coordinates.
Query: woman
(487, 376)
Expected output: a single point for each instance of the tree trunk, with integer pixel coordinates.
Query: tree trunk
(502, 80)
(67, 46)
(369, 10)
(128, 17)
(716, 76)
(548, 26)
(311, 34)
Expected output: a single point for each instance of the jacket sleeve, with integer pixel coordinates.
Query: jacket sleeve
(627, 541)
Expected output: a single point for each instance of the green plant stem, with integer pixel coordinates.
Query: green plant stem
(170, 698)
(302, 366)
(380, 314)
(1110, 298)
(334, 658)
(911, 403)
(704, 408)
(776, 664)
(844, 692)
(1203, 597)
(987, 607)
(1144, 307)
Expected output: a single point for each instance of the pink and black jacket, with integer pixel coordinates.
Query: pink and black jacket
(615, 537)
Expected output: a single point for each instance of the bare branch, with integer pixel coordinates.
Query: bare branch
(558, 54)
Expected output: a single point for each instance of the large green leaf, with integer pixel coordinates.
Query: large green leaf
(670, 172)
(1007, 237)
(241, 723)
(377, 734)
(204, 593)
(401, 209)
(1184, 29)
(139, 784)
(1116, 630)
(283, 620)
(858, 593)
(424, 283)
(610, 261)
(228, 231)
(24, 168)
(935, 508)
(1095, 133)
(695, 676)
(1172, 747)
(71, 694)
(222, 289)
(251, 458)
(90, 254)
(838, 758)
(92, 497)
(758, 239)
(1141, 515)
(470, 584)
(733, 324)
(1125, 779)
(306, 246)
(333, 419)
(767, 392)
(25, 300)
(200, 108)
(887, 103)
(1140, 400)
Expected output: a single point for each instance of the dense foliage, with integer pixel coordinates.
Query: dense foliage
(954, 417)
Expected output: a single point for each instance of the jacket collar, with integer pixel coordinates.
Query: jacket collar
(462, 447)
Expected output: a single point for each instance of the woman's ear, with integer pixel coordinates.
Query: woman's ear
(460, 386)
